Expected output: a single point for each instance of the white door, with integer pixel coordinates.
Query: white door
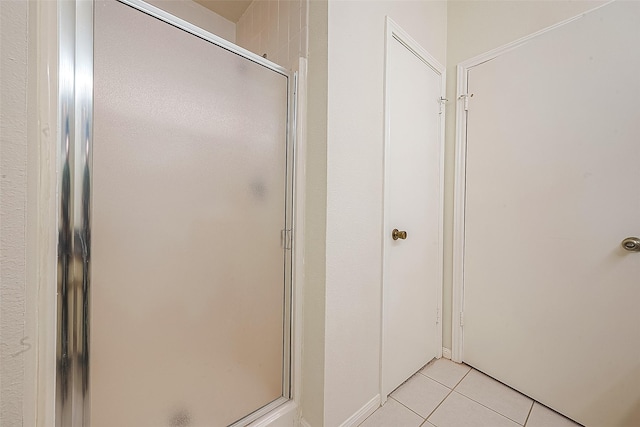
(551, 299)
(413, 174)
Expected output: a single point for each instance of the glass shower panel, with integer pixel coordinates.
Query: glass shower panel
(189, 189)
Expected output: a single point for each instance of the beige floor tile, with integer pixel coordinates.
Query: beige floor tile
(421, 394)
(495, 395)
(460, 411)
(446, 372)
(393, 414)
(541, 416)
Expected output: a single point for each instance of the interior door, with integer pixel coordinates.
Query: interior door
(412, 261)
(550, 296)
(189, 199)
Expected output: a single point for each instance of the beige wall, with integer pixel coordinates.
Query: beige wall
(13, 200)
(18, 181)
(275, 28)
(199, 15)
(475, 27)
(313, 342)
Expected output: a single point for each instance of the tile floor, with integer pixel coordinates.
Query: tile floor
(447, 394)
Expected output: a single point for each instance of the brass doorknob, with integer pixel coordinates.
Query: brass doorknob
(396, 234)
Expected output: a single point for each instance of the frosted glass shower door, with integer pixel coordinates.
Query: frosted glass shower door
(188, 273)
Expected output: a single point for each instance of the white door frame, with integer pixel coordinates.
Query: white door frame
(394, 31)
(463, 99)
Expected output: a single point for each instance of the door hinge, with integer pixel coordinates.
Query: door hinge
(461, 318)
(443, 102)
(465, 99)
(286, 238)
(437, 316)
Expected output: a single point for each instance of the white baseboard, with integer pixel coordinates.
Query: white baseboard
(446, 353)
(362, 414)
(357, 418)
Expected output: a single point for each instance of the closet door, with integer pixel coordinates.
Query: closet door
(189, 192)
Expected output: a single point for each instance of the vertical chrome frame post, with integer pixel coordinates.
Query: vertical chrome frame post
(74, 211)
(292, 90)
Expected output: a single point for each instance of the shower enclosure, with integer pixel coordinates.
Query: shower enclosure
(174, 255)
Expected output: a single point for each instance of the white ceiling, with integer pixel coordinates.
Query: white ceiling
(229, 9)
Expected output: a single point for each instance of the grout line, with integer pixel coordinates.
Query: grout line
(491, 409)
(434, 409)
(439, 404)
(529, 414)
(499, 382)
(426, 423)
(432, 379)
(450, 388)
(423, 418)
(448, 394)
(465, 376)
(413, 375)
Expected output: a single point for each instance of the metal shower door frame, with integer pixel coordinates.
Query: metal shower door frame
(74, 195)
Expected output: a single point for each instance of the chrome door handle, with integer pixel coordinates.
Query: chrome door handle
(396, 234)
(631, 244)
